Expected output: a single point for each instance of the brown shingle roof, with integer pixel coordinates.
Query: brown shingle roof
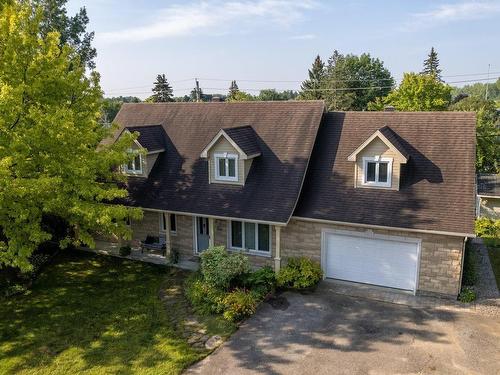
(395, 141)
(285, 134)
(151, 137)
(437, 189)
(245, 138)
(488, 184)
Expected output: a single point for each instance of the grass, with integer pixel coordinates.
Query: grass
(97, 315)
(493, 245)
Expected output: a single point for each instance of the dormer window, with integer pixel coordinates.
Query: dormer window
(377, 171)
(134, 166)
(226, 166)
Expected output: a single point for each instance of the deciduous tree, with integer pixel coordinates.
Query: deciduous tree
(52, 161)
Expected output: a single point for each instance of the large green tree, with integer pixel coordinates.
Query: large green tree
(487, 132)
(162, 91)
(417, 92)
(52, 159)
(72, 30)
(111, 106)
(431, 65)
(311, 89)
(353, 81)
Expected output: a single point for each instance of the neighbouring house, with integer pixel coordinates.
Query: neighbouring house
(488, 196)
(383, 198)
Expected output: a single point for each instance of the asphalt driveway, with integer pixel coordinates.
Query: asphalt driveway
(328, 333)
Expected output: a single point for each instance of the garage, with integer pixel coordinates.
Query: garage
(371, 259)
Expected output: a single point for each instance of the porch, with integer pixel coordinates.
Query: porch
(149, 256)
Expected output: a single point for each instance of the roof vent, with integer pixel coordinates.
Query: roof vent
(389, 108)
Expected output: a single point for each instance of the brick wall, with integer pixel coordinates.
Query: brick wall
(440, 259)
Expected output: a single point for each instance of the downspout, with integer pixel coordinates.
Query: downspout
(462, 266)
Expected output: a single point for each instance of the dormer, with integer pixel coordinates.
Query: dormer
(230, 155)
(149, 144)
(378, 160)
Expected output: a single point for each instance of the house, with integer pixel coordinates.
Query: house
(383, 198)
(488, 196)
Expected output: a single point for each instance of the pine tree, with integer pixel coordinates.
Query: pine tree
(311, 87)
(162, 91)
(233, 90)
(431, 65)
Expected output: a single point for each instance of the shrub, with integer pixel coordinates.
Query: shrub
(300, 273)
(204, 297)
(486, 227)
(174, 256)
(239, 304)
(262, 281)
(219, 267)
(125, 251)
(467, 294)
(15, 289)
(470, 274)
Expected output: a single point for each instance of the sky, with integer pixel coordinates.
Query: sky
(272, 43)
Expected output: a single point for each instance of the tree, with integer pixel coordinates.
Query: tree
(479, 90)
(431, 65)
(111, 106)
(418, 92)
(240, 96)
(72, 30)
(233, 89)
(311, 88)
(487, 132)
(351, 81)
(51, 156)
(162, 91)
(274, 95)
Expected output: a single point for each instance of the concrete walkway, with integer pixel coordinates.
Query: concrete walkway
(487, 285)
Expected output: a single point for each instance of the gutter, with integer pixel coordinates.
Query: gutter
(323, 221)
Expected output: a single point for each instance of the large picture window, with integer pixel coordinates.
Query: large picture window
(377, 171)
(226, 167)
(250, 236)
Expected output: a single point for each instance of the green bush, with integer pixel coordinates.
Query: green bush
(299, 273)
(486, 227)
(204, 297)
(239, 304)
(219, 267)
(15, 289)
(467, 294)
(125, 250)
(262, 281)
(470, 273)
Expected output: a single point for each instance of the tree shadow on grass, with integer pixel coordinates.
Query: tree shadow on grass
(90, 312)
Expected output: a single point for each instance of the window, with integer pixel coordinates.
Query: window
(163, 222)
(377, 171)
(250, 236)
(226, 167)
(134, 166)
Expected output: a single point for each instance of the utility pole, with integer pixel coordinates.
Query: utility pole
(198, 96)
(487, 83)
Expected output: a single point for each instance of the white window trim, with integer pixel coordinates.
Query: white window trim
(377, 159)
(226, 156)
(243, 248)
(134, 171)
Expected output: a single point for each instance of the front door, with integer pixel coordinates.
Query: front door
(202, 235)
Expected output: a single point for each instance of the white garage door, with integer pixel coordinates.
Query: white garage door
(385, 262)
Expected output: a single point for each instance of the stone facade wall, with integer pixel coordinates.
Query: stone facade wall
(440, 257)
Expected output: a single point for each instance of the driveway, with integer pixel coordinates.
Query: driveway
(329, 333)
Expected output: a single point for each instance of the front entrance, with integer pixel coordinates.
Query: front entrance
(202, 234)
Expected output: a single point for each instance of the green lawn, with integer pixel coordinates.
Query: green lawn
(493, 245)
(97, 315)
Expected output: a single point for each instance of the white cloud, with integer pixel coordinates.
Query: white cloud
(303, 37)
(447, 13)
(212, 17)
